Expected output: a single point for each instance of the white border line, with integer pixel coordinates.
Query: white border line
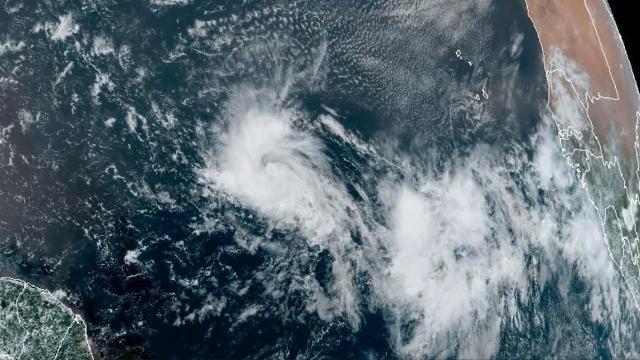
(76, 318)
(608, 164)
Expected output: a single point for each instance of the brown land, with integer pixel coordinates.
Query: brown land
(584, 31)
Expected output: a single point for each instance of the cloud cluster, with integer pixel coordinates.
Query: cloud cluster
(451, 255)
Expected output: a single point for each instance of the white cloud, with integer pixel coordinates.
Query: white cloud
(459, 246)
(279, 170)
(450, 258)
(446, 269)
(65, 28)
(266, 161)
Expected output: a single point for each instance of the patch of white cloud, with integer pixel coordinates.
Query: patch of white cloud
(449, 259)
(459, 244)
(604, 182)
(443, 269)
(131, 257)
(277, 169)
(10, 46)
(27, 119)
(102, 46)
(448, 253)
(331, 124)
(65, 28)
(169, 2)
(264, 159)
(101, 81)
(448, 268)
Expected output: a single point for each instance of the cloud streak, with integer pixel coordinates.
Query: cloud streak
(452, 256)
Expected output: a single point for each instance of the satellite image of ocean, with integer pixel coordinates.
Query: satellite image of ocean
(317, 179)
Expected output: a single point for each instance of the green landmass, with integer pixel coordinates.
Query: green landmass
(36, 325)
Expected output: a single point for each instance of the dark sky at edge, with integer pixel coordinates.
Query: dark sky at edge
(628, 21)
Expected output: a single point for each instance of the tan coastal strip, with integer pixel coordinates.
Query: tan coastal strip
(584, 32)
(582, 49)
